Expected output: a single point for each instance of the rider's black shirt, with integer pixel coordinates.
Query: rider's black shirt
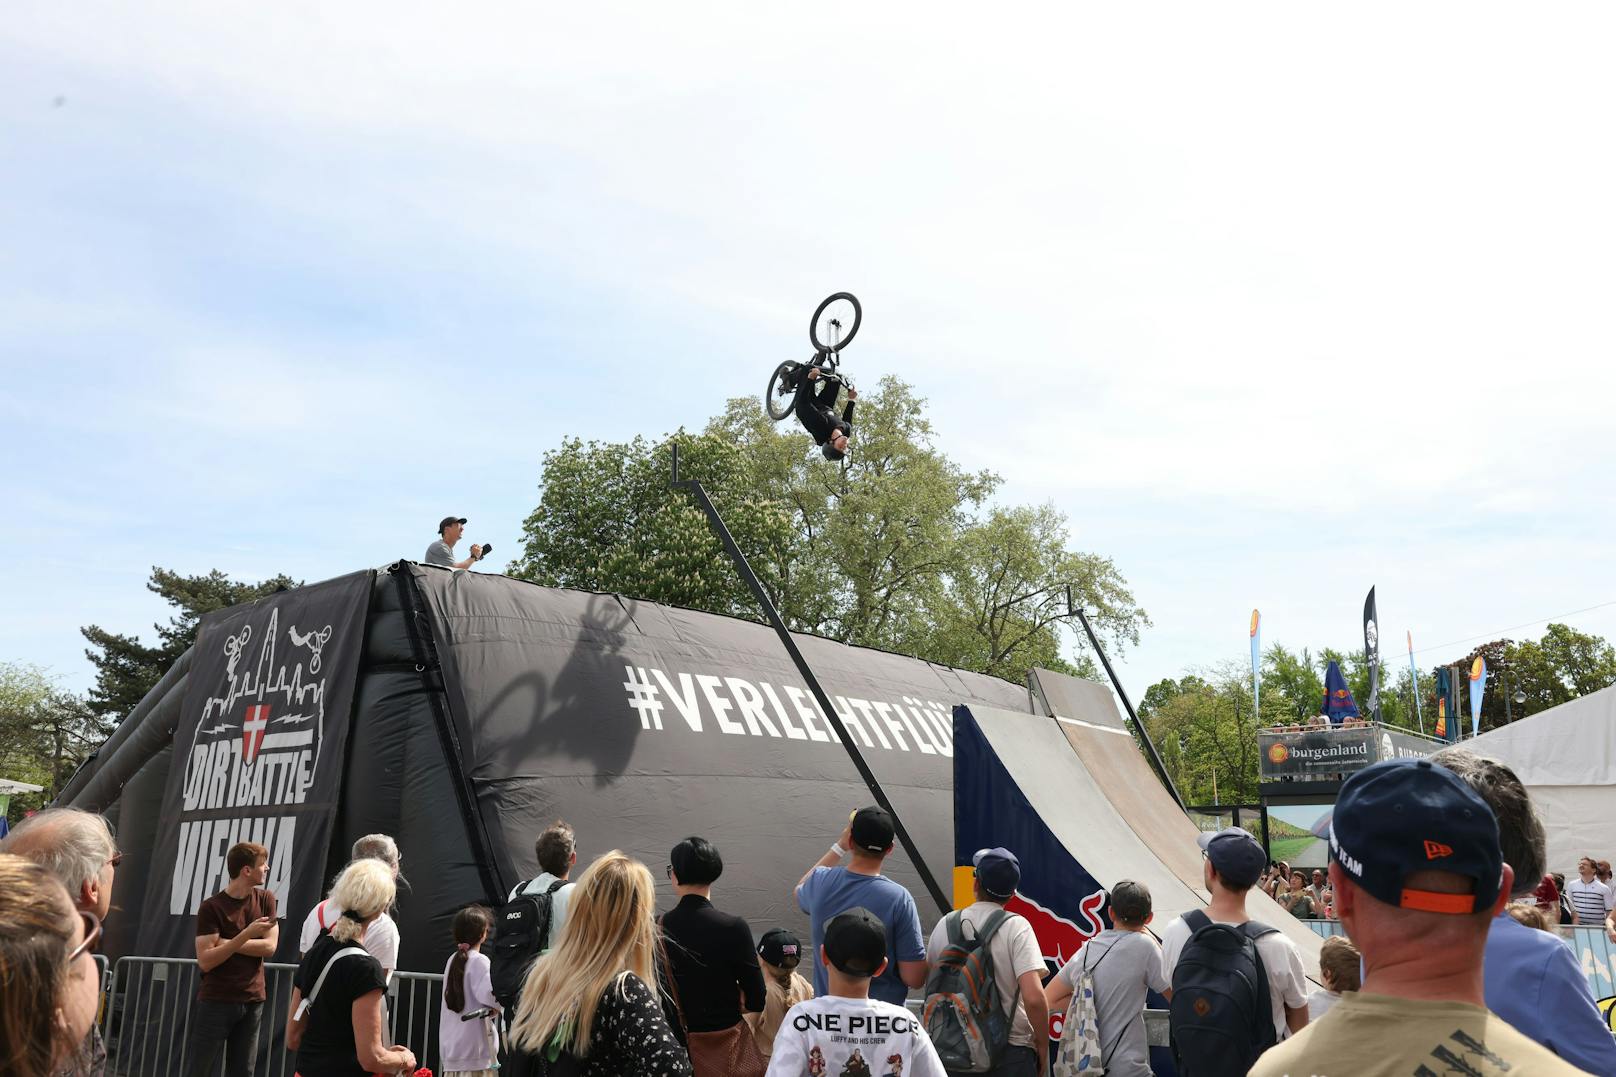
(815, 408)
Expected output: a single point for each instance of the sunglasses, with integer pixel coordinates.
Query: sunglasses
(92, 935)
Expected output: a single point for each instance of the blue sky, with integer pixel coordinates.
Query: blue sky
(1274, 304)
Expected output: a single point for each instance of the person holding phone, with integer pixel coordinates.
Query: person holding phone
(236, 929)
(441, 552)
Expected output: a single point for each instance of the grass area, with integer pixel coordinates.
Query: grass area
(1286, 849)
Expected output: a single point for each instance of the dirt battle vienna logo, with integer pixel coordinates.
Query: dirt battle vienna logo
(255, 752)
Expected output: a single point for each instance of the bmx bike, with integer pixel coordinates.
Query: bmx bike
(832, 328)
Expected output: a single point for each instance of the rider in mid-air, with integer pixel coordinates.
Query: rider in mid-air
(817, 410)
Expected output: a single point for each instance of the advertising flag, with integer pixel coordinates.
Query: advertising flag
(1414, 679)
(1256, 664)
(1478, 686)
(1338, 702)
(1371, 648)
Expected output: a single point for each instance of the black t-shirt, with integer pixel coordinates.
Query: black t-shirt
(713, 963)
(328, 1041)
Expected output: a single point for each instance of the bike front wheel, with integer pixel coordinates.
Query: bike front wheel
(835, 322)
(781, 394)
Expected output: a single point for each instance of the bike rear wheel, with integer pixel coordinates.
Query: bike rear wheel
(835, 322)
(781, 394)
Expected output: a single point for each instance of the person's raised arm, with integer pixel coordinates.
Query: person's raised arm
(832, 857)
(476, 555)
(367, 1034)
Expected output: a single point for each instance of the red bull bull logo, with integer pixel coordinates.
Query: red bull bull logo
(1058, 937)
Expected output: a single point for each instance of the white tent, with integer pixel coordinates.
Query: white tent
(1567, 758)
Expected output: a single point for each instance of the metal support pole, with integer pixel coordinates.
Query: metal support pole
(1138, 726)
(694, 486)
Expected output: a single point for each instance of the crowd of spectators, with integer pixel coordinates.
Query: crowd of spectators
(1436, 872)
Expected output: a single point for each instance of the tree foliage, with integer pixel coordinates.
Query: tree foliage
(45, 733)
(1562, 665)
(126, 668)
(896, 547)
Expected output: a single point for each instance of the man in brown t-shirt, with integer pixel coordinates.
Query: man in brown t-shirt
(235, 930)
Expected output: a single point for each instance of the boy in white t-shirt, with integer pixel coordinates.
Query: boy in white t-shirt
(846, 1031)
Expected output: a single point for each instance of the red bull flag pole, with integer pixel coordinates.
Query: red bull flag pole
(1256, 664)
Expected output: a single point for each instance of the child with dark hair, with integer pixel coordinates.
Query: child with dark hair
(469, 1048)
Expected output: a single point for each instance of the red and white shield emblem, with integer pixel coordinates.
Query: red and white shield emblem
(252, 732)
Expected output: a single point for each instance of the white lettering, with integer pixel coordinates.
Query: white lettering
(750, 702)
(684, 698)
(807, 709)
(792, 731)
(721, 706)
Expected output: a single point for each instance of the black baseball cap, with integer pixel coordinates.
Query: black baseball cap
(1402, 816)
(856, 942)
(780, 948)
(998, 871)
(447, 520)
(873, 829)
(1235, 855)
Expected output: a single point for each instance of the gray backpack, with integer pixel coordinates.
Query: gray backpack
(963, 1014)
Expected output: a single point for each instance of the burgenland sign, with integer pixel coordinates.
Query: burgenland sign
(1315, 753)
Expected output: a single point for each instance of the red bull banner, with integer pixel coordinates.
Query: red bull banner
(1063, 902)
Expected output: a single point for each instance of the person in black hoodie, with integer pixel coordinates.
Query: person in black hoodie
(816, 409)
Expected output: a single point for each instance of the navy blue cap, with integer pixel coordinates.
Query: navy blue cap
(1236, 856)
(1408, 815)
(998, 870)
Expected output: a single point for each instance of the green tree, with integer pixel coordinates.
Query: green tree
(895, 547)
(45, 733)
(608, 520)
(1206, 733)
(126, 668)
(1564, 664)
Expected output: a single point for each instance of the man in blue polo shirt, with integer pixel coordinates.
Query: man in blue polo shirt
(1532, 979)
(828, 888)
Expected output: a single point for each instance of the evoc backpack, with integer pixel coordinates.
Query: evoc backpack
(1221, 1014)
(963, 1015)
(521, 934)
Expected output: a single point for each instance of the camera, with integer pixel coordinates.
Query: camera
(486, 547)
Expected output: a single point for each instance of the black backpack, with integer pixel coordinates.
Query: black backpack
(521, 934)
(1222, 1013)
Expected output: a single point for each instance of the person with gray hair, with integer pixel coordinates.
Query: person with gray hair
(1531, 978)
(381, 938)
(76, 847)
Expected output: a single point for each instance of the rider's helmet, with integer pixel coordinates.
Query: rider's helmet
(831, 452)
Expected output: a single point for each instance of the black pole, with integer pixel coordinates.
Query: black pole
(1138, 726)
(825, 705)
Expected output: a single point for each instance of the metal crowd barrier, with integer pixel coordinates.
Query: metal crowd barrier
(146, 1016)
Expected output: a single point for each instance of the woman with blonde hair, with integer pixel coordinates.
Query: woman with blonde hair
(336, 1022)
(590, 1003)
(49, 987)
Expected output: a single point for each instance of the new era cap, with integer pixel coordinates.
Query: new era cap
(1402, 816)
(998, 871)
(780, 948)
(856, 942)
(873, 830)
(447, 520)
(1235, 854)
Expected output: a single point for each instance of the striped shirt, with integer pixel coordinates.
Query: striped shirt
(1589, 899)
